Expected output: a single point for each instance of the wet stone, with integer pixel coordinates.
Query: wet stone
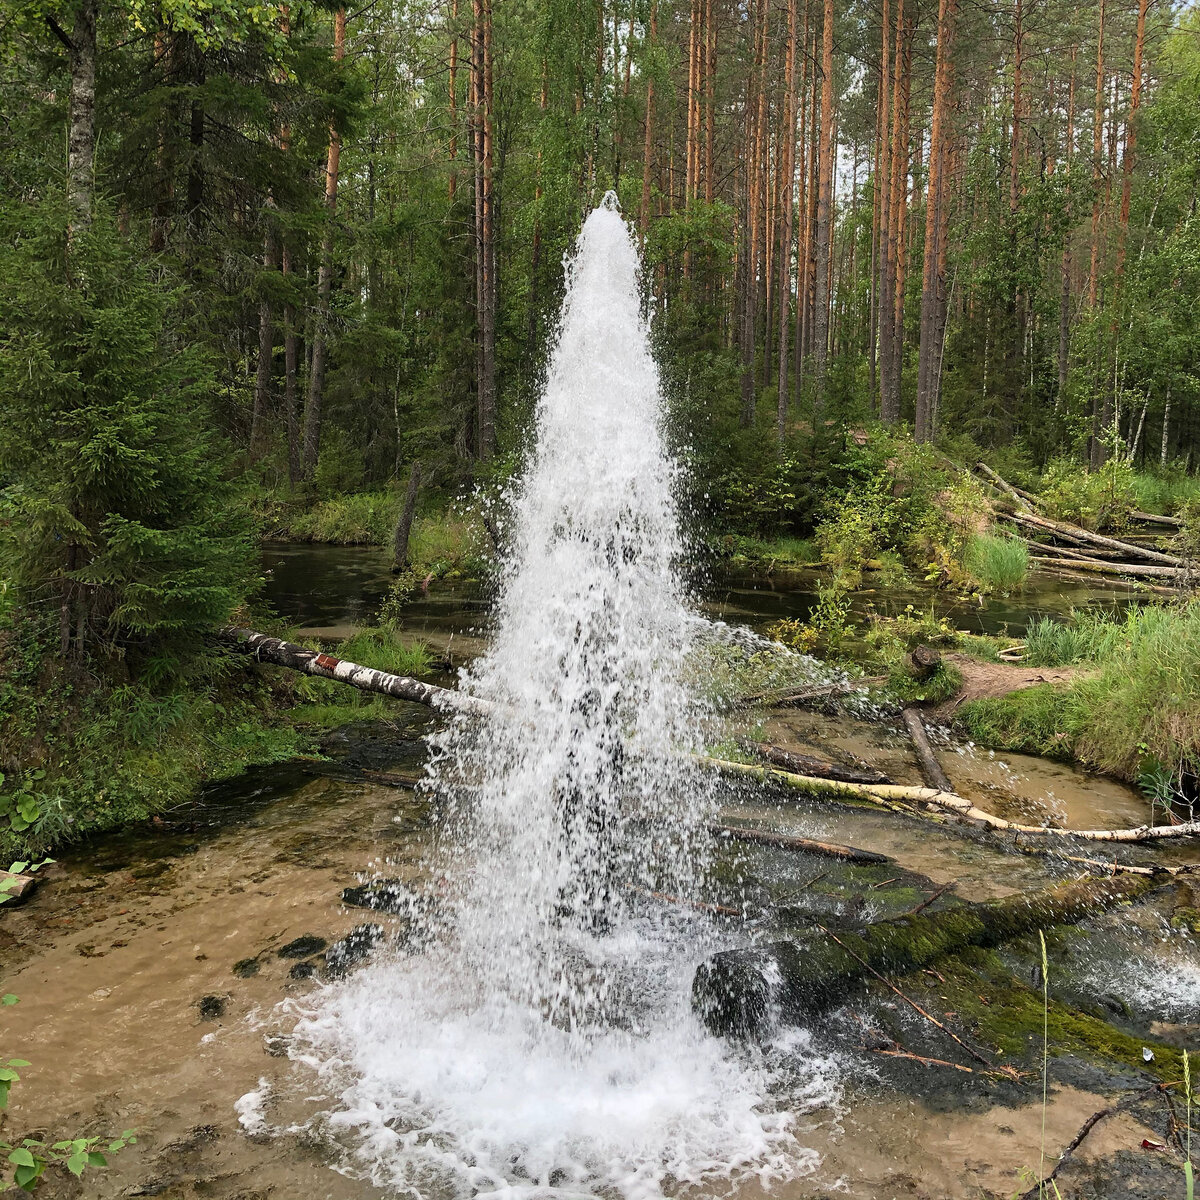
(303, 947)
(211, 1007)
(303, 970)
(277, 1046)
(353, 948)
(381, 895)
(245, 967)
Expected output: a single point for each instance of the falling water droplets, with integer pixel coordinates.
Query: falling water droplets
(544, 1038)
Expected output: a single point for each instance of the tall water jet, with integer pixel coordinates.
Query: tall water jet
(543, 1037)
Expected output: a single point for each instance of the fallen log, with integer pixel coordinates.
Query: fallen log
(931, 769)
(1073, 533)
(1155, 519)
(1018, 496)
(737, 992)
(1158, 589)
(325, 666)
(810, 764)
(788, 841)
(1068, 552)
(1152, 570)
(884, 794)
(16, 886)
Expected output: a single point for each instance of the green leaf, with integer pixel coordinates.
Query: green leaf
(19, 1062)
(96, 1159)
(10, 998)
(76, 1163)
(26, 1175)
(22, 1157)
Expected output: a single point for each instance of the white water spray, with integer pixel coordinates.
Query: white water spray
(544, 1042)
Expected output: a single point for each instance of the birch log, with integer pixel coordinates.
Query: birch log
(883, 793)
(325, 666)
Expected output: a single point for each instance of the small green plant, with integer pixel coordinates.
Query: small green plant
(31, 1158)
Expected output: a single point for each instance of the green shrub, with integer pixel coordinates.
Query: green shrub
(995, 562)
(1093, 499)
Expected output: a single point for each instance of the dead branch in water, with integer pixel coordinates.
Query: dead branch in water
(810, 764)
(931, 769)
(787, 841)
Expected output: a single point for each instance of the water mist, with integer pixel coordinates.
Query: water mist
(542, 1043)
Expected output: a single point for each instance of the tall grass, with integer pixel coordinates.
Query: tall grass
(1137, 712)
(996, 563)
(1164, 492)
(355, 519)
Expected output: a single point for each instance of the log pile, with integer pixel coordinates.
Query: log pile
(1067, 549)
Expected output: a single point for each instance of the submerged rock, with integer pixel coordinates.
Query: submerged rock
(245, 967)
(353, 948)
(211, 1007)
(303, 947)
(382, 895)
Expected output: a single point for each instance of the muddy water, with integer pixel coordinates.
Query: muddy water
(133, 1014)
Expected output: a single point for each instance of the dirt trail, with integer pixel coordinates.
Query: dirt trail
(988, 680)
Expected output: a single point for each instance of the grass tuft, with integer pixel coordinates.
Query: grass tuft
(996, 563)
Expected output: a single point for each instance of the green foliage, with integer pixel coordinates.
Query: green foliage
(1136, 715)
(996, 562)
(766, 555)
(361, 518)
(111, 496)
(1100, 499)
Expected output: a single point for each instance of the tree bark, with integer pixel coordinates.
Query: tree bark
(316, 379)
(785, 841)
(787, 171)
(1135, 100)
(81, 133)
(931, 769)
(405, 520)
(324, 666)
(266, 350)
(824, 214)
(933, 281)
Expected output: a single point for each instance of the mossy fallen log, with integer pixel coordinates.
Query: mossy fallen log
(742, 992)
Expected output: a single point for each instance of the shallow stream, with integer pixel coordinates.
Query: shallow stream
(162, 971)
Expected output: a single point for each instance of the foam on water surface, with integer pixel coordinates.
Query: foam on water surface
(544, 1039)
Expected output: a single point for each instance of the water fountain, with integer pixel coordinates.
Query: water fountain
(542, 1042)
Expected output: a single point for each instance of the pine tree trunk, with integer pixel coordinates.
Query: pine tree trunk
(787, 171)
(647, 138)
(824, 214)
(897, 165)
(316, 379)
(932, 280)
(1097, 163)
(1135, 100)
(1064, 311)
(453, 98)
(487, 389)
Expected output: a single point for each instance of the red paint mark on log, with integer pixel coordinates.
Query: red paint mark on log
(327, 661)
